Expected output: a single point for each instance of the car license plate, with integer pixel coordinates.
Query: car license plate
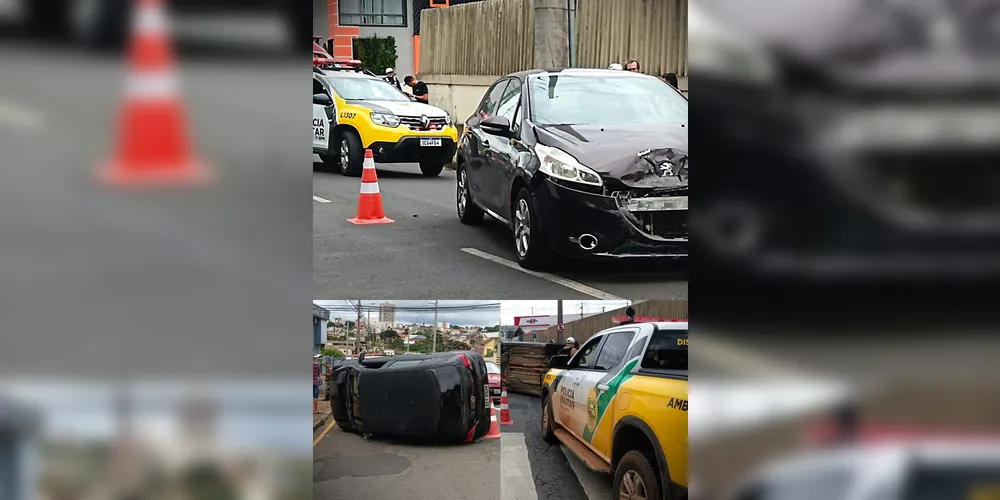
(658, 204)
(486, 391)
(429, 142)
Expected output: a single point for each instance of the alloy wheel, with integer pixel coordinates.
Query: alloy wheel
(632, 487)
(345, 154)
(461, 192)
(522, 227)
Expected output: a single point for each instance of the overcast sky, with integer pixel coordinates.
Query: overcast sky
(463, 317)
(511, 308)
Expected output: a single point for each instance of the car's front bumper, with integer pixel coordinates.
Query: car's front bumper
(567, 214)
(403, 145)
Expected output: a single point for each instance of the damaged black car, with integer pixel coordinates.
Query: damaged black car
(442, 397)
(579, 163)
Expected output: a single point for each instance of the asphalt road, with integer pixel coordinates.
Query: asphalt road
(348, 466)
(555, 473)
(152, 271)
(427, 252)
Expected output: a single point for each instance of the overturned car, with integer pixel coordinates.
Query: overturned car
(443, 396)
(581, 163)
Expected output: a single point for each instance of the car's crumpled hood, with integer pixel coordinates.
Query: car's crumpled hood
(636, 155)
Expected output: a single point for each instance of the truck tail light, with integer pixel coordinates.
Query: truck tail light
(465, 361)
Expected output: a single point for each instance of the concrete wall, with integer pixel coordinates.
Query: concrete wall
(459, 95)
(404, 47)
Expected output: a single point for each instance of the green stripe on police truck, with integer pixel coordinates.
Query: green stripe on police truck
(597, 408)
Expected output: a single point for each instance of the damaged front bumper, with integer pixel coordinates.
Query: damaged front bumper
(582, 224)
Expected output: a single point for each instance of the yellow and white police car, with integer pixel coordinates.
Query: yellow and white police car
(354, 111)
(621, 406)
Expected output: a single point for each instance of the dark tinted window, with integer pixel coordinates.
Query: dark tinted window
(614, 350)
(318, 88)
(489, 106)
(585, 357)
(973, 482)
(508, 102)
(667, 350)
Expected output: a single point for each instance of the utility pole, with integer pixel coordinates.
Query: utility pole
(357, 332)
(559, 315)
(434, 342)
(368, 328)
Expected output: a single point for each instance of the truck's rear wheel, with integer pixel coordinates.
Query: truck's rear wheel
(635, 478)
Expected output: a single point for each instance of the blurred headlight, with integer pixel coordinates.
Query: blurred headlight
(716, 49)
(385, 120)
(562, 165)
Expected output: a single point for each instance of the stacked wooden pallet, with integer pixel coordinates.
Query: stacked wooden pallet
(523, 364)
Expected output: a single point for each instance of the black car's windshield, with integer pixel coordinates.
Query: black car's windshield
(367, 89)
(604, 100)
(492, 368)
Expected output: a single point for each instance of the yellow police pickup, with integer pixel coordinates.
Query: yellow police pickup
(353, 111)
(620, 405)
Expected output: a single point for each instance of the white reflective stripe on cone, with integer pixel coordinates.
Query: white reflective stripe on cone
(161, 84)
(151, 19)
(370, 165)
(369, 187)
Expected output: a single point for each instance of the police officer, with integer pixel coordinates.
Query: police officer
(390, 78)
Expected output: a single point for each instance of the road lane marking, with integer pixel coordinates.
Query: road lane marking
(321, 200)
(596, 486)
(559, 280)
(515, 469)
(19, 116)
(323, 434)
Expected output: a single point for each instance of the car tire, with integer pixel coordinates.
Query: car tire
(548, 432)
(346, 427)
(468, 212)
(354, 154)
(431, 168)
(537, 250)
(635, 469)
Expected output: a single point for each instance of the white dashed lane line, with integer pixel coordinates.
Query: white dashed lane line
(515, 469)
(320, 200)
(559, 280)
(20, 116)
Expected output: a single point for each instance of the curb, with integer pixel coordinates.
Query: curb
(322, 421)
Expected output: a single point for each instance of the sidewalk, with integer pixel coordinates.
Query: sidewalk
(323, 417)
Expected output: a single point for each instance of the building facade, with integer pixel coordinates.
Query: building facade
(387, 312)
(320, 318)
(344, 20)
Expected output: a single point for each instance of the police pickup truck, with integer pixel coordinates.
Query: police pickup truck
(620, 404)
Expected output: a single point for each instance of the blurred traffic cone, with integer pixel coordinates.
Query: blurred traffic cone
(504, 409)
(153, 145)
(370, 202)
(494, 428)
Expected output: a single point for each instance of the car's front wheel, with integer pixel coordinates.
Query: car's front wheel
(468, 212)
(352, 156)
(548, 432)
(635, 478)
(431, 168)
(530, 244)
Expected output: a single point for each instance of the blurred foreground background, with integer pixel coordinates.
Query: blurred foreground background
(146, 332)
(843, 296)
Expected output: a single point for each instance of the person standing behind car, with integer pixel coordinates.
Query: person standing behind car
(420, 92)
(390, 78)
(632, 65)
(670, 78)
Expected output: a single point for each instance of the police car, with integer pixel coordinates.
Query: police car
(620, 404)
(354, 111)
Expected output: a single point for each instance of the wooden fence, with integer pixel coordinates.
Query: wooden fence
(583, 329)
(653, 32)
(490, 38)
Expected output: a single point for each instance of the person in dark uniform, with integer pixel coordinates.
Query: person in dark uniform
(419, 89)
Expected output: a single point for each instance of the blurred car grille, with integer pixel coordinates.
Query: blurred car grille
(666, 224)
(949, 182)
(414, 123)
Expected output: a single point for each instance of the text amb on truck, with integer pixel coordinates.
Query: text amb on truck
(621, 406)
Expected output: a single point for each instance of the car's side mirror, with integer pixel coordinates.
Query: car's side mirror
(559, 361)
(322, 100)
(497, 125)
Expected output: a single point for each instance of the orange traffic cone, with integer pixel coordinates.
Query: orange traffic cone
(370, 202)
(153, 145)
(504, 409)
(494, 428)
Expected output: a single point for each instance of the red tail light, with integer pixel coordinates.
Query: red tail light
(465, 361)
